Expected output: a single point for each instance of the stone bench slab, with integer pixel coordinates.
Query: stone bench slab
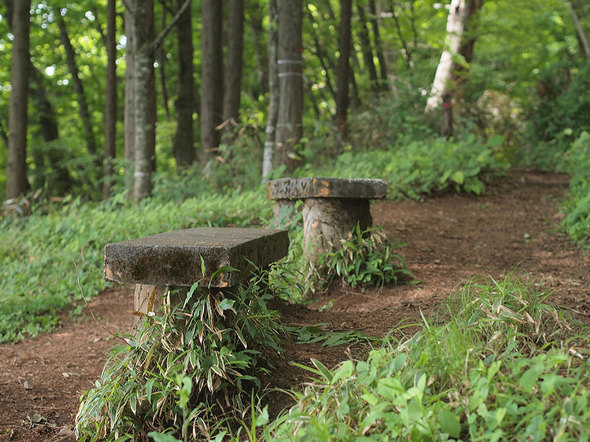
(174, 258)
(303, 188)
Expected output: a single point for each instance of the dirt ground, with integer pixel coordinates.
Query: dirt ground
(450, 238)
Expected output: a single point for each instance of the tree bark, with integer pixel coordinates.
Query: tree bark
(289, 124)
(78, 87)
(459, 16)
(344, 44)
(211, 76)
(366, 48)
(129, 117)
(144, 97)
(110, 119)
(161, 56)
(16, 167)
(233, 71)
(582, 38)
(184, 140)
(256, 17)
(383, 65)
(273, 86)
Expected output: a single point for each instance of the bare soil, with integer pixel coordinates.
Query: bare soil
(450, 238)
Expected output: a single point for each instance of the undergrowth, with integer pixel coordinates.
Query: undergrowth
(497, 363)
(189, 369)
(41, 256)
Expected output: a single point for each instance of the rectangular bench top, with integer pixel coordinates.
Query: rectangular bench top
(174, 258)
(301, 188)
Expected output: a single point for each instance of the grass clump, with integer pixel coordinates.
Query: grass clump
(497, 363)
(188, 369)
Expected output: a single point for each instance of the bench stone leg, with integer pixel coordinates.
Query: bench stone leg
(328, 220)
(148, 297)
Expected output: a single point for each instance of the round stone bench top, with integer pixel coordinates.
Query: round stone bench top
(174, 258)
(302, 188)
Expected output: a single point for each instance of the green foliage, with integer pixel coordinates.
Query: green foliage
(38, 254)
(422, 167)
(559, 117)
(366, 257)
(576, 161)
(498, 362)
(187, 369)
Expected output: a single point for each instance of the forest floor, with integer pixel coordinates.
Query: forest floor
(450, 238)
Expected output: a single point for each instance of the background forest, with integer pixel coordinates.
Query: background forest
(519, 73)
(120, 119)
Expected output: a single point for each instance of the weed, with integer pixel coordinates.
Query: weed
(186, 370)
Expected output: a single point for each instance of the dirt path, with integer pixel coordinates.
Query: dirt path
(450, 238)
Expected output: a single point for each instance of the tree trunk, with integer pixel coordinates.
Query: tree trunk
(289, 124)
(184, 140)
(383, 65)
(273, 86)
(580, 34)
(211, 76)
(256, 17)
(459, 15)
(59, 181)
(325, 60)
(344, 43)
(78, 87)
(16, 167)
(161, 56)
(129, 117)
(144, 96)
(110, 119)
(233, 71)
(366, 48)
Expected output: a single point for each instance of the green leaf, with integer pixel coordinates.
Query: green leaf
(458, 177)
(449, 423)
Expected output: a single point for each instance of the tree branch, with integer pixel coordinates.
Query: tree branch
(581, 34)
(160, 38)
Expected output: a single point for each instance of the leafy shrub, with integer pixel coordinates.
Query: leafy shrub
(576, 161)
(498, 362)
(187, 370)
(365, 258)
(422, 167)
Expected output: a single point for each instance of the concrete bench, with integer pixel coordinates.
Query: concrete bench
(331, 207)
(174, 259)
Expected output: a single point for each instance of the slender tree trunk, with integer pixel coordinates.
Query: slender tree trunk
(78, 87)
(580, 34)
(383, 64)
(184, 140)
(3, 134)
(110, 120)
(129, 117)
(59, 181)
(325, 60)
(458, 14)
(289, 124)
(405, 50)
(344, 44)
(161, 56)
(273, 86)
(256, 17)
(233, 71)
(211, 76)
(16, 167)
(367, 50)
(144, 97)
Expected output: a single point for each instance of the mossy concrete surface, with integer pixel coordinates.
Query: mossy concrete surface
(176, 258)
(302, 188)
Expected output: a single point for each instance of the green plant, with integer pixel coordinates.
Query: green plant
(495, 362)
(186, 370)
(365, 257)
